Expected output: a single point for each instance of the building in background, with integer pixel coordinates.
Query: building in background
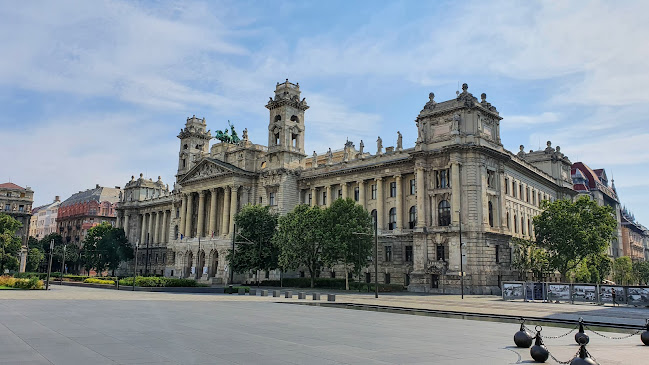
(634, 237)
(84, 210)
(43, 220)
(594, 183)
(458, 177)
(17, 201)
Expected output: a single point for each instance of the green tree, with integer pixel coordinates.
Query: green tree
(623, 270)
(641, 272)
(572, 231)
(300, 239)
(528, 257)
(10, 244)
(255, 250)
(348, 233)
(34, 258)
(104, 248)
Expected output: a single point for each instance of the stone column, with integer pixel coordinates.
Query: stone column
(421, 197)
(233, 207)
(165, 227)
(225, 223)
(361, 193)
(118, 221)
(379, 203)
(399, 198)
(344, 188)
(150, 227)
(212, 226)
(156, 228)
(188, 217)
(142, 229)
(183, 209)
(455, 192)
(327, 201)
(126, 225)
(314, 197)
(201, 213)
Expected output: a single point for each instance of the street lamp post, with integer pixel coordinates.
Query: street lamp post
(49, 266)
(376, 258)
(146, 258)
(234, 230)
(63, 263)
(137, 244)
(461, 258)
(198, 256)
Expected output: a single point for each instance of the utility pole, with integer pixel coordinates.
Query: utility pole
(63, 263)
(137, 244)
(49, 266)
(234, 230)
(376, 257)
(461, 257)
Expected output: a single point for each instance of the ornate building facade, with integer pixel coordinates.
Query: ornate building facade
(457, 180)
(17, 201)
(43, 221)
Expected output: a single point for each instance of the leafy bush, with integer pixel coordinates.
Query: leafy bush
(21, 283)
(99, 281)
(235, 289)
(153, 281)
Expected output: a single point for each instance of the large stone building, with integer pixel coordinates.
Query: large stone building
(634, 237)
(43, 221)
(84, 210)
(594, 183)
(457, 172)
(17, 201)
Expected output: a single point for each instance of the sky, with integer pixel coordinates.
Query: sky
(93, 92)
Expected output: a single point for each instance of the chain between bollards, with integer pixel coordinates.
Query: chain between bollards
(613, 338)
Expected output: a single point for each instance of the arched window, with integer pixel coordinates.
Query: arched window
(176, 232)
(444, 213)
(278, 118)
(294, 118)
(412, 221)
(491, 215)
(393, 219)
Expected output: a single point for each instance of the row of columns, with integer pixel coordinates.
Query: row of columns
(154, 226)
(419, 179)
(229, 211)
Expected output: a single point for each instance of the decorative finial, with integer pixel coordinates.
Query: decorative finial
(522, 148)
(159, 178)
(484, 97)
(465, 87)
(549, 144)
(141, 175)
(431, 96)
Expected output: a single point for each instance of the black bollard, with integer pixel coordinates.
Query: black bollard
(522, 338)
(582, 358)
(539, 352)
(645, 335)
(581, 333)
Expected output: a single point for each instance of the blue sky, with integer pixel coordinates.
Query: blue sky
(94, 92)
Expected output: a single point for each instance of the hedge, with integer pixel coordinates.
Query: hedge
(99, 281)
(235, 289)
(153, 281)
(20, 283)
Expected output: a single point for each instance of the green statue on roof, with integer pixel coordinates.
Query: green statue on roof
(223, 136)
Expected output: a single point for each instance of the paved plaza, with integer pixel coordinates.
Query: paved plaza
(70, 325)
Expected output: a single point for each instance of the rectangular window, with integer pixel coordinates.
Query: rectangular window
(442, 179)
(520, 191)
(388, 253)
(333, 274)
(527, 195)
(310, 197)
(301, 274)
(440, 253)
(506, 186)
(340, 193)
(533, 198)
(413, 187)
(271, 199)
(387, 278)
(406, 279)
(7, 207)
(368, 277)
(514, 189)
(324, 198)
(393, 189)
(356, 194)
(408, 255)
(373, 191)
(497, 253)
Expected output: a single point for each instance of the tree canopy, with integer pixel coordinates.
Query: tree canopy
(105, 247)
(9, 243)
(347, 235)
(255, 249)
(572, 231)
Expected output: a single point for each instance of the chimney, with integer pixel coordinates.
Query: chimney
(57, 198)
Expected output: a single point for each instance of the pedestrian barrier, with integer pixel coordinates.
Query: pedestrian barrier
(253, 292)
(301, 295)
(276, 294)
(264, 293)
(331, 297)
(288, 294)
(316, 296)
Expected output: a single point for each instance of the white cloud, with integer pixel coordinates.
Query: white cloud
(517, 121)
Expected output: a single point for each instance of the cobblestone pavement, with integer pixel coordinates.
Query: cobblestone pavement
(70, 325)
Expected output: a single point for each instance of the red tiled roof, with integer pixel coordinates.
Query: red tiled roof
(11, 186)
